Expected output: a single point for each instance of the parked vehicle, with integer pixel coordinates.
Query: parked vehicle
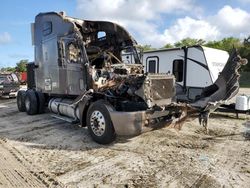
(79, 74)
(9, 85)
(194, 67)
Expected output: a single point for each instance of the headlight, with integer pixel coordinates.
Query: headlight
(1, 86)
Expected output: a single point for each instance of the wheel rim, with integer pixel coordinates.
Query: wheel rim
(97, 123)
(27, 104)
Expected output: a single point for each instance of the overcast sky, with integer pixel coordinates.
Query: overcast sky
(155, 22)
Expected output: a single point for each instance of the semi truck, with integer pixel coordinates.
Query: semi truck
(78, 73)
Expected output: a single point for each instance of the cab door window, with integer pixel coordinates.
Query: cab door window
(47, 28)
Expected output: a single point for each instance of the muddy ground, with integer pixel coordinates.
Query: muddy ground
(40, 151)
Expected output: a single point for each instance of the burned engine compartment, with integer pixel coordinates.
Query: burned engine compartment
(128, 88)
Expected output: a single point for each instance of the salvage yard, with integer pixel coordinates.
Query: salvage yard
(40, 151)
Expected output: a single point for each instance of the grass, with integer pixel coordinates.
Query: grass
(245, 79)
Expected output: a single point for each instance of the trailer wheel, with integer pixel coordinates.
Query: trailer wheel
(40, 102)
(99, 122)
(21, 100)
(31, 104)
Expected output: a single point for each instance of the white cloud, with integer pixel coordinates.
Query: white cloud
(5, 38)
(232, 21)
(130, 9)
(141, 18)
(188, 27)
(145, 19)
(227, 22)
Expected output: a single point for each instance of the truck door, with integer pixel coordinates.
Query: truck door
(152, 64)
(71, 64)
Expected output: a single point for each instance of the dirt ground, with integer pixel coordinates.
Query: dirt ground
(40, 151)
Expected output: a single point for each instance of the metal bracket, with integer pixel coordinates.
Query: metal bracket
(203, 120)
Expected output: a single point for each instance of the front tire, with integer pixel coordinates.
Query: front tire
(21, 100)
(31, 103)
(99, 122)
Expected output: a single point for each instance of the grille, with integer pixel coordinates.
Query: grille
(162, 89)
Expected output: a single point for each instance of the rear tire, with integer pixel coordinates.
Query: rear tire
(21, 100)
(99, 122)
(31, 104)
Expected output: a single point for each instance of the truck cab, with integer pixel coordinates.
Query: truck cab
(78, 73)
(9, 84)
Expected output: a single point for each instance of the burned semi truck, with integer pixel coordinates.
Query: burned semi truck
(78, 73)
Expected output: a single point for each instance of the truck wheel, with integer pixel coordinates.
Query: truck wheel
(99, 122)
(21, 100)
(40, 102)
(31, 102)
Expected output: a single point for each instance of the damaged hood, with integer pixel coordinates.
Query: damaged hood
(224, 88)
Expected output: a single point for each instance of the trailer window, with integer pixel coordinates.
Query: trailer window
(47, 28)
(152, 66)
(178, 69)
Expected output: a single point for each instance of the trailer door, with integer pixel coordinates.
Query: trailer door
(152, 64)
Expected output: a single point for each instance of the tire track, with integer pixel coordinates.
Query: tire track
(17, 171)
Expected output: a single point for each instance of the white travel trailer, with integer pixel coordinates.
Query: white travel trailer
(194, 67)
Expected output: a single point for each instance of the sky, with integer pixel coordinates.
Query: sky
(153, 22)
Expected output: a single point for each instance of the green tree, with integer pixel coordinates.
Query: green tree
(225, 44)
(214, 44)
(244, 51)
(189, 42)
(168, 45)
(21, 65)
(8, 69)
(146, 47)
(230, 43)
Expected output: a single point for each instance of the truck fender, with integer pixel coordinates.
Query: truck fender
(83, 108)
